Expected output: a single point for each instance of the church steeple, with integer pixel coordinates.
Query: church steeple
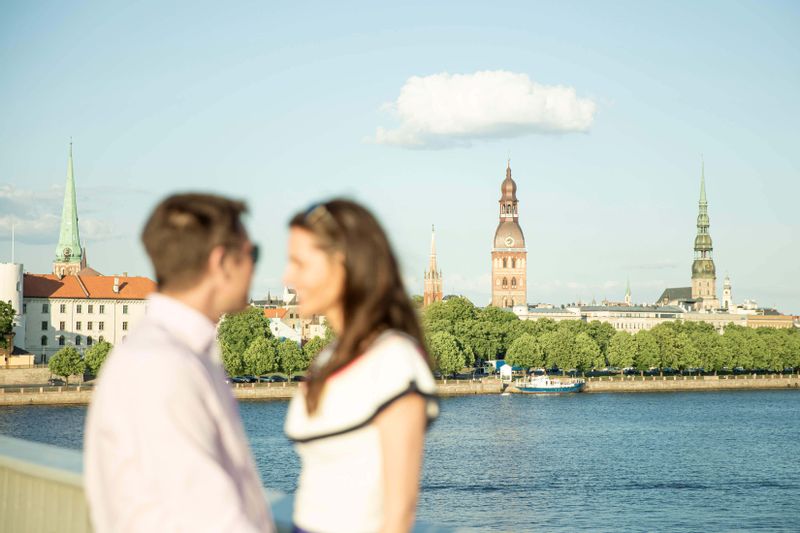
(628, 293)
(433, 276)
(69, 254)
(704, 275)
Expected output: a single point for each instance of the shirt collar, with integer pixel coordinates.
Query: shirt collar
(185, 323)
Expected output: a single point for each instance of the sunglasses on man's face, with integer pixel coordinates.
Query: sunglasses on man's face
(254, 253)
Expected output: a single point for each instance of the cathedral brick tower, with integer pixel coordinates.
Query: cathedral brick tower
(509, 256)
(704, 273)
(70, 257)
(433, 277)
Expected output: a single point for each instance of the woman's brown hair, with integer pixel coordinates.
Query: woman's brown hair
(374, 298)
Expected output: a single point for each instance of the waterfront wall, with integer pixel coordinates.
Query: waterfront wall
(692, 383)
(283, 391)
(27, 376)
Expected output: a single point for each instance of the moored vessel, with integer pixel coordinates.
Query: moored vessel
(546, 385)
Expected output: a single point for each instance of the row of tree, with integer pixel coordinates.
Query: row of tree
(459, 334)
(68, 361)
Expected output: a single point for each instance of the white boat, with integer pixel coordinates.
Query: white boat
(547, 385)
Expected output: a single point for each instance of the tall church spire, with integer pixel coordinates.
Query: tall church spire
(704, 275)
(628, 292)
(69, 254)
(433, 276)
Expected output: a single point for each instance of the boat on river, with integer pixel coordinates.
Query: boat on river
(548, 385)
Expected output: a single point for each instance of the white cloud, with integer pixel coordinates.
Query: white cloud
(36, 216)
(444, 109)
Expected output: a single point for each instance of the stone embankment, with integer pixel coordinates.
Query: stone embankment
(26, 376)
(37, 395)
(692, 383)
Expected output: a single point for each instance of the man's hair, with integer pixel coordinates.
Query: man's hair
(183, 230)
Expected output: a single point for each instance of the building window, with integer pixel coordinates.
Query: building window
(89, 326)
(61, 340)
(44, 340)
(78, 308)
(91, 309)
(124, 326)
(24, 308)
(62, 325)
(88, 341)
(102, 309)
(124, 309)
(513, 263)
(513, 283)
(78, 325)
(505, 263)
(505, 283)
(100, 339)
(62, 308)
(44, 325)
(101, 326)
(44, 308)
(77, 340)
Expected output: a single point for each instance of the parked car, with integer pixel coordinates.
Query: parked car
(238, 379)
(272, 379)
(298, 377)
(55, 382)
(248, 378)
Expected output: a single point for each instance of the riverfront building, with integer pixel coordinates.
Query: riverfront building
(509, 255)
(74, 305)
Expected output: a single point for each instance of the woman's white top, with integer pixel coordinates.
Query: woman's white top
(341, 481)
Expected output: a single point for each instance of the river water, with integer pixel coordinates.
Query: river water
(711, 461)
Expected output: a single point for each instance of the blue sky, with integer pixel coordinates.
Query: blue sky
(281, 104)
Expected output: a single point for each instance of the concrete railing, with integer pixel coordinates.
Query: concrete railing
(41, 491)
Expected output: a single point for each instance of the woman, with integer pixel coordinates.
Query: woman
(359, 420)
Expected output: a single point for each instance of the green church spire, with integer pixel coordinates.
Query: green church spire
(69, 240)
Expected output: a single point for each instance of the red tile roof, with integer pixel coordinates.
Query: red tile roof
(92, 286)
(275, 313)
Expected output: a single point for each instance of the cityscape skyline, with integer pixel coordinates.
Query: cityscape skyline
(608, 182)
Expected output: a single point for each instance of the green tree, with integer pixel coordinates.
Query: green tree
(313, 347)
(452, 310)
(485, 339)
(417, 300)
(7, 314)
(525, 352)
(666, 336)
(647, 351)
(95, 356)
(237, 332)
(793, 349)
(537, 328)
(558, 347)
(587, 353)
(601, 333)
(66, 362)
(688, 355)
(622, 350)
(261, 357)
(291, 357)
(447, 352)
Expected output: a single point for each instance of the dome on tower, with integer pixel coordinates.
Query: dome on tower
(509, 235)
(508, 190)
(704, 268)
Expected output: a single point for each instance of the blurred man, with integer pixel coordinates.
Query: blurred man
(165, 449)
